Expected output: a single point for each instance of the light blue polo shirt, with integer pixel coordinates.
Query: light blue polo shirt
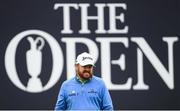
(92, 95)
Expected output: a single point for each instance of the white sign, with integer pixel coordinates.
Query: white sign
(34, 60)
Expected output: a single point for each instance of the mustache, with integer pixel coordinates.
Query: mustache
(87, 72)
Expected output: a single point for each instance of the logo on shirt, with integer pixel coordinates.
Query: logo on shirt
(92, 91)
(73, 93)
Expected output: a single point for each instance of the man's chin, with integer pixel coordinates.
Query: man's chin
(87, 76)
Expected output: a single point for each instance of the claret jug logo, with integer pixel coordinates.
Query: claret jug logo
(34, 60)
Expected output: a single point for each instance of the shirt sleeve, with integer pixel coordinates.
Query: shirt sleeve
(61, 102)
(106, 99)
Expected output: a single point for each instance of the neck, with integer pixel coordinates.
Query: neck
(82, 80)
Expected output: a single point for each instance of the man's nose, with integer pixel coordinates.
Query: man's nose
(87, 68)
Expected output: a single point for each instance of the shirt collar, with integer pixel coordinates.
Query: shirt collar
(82, 81)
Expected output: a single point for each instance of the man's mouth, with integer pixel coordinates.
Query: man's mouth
(86, 72)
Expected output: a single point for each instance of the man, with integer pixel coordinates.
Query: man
(85, 91)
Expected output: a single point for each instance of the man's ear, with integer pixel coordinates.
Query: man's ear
(76, 66)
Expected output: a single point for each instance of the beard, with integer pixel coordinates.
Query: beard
(85, 74)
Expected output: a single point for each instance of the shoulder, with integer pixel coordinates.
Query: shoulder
(99, 84)
(68, 82)
(98, 80)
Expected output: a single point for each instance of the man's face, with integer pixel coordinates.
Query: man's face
(85, 72)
